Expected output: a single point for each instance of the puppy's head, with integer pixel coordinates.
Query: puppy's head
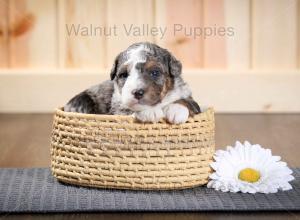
(143, 75)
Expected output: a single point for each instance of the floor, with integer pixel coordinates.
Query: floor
(24, 142)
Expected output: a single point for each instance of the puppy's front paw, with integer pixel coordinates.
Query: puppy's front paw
(150, 115)
(176, 113)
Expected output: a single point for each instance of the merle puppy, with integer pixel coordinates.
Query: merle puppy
(145, 81)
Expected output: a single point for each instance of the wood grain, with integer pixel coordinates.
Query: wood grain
(18, 47)
(214, 43)
(238, 46)
(81, 37)
(266, 32)
(3, 34)
(183, 30)
(32, 33)
(274, 26)
(127, 13)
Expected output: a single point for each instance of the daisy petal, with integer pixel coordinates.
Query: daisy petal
(262, 172)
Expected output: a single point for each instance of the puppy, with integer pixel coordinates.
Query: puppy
(146, 82)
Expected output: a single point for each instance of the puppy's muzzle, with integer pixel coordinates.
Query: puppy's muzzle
(138, 93)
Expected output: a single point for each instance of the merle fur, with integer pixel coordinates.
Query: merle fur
(99, 99)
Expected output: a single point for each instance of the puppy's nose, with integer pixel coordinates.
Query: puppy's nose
(138, 93)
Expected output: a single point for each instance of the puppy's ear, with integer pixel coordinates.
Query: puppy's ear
(175, 66)
(114, 68)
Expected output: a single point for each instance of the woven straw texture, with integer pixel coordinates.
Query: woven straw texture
(111, 151)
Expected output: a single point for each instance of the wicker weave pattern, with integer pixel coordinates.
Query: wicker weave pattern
(110, 151)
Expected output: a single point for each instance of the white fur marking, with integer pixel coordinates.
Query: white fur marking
(176, 113)
(133, 81)
(135, 55)
(152, 114)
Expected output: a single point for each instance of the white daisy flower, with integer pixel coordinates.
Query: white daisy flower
(249, 169)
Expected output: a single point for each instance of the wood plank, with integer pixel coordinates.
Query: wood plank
(274, 34)
(127, 12)
(214, 42)
(227, 91)
(32, 32)
(3, 34)
(27, 134)
(183, 30)
(81, 39)
(237, 17)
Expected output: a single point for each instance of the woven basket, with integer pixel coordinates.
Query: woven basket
(111, 151)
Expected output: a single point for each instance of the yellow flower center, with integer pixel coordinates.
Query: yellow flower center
(249, 175)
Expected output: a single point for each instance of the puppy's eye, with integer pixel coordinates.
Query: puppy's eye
(123, 75)
(155, 73)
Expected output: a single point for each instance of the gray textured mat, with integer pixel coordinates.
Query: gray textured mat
(35, 190)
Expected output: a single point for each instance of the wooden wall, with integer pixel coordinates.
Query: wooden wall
(33, 33)
(256, 69)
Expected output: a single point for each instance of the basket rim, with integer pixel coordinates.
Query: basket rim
(60, 111)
